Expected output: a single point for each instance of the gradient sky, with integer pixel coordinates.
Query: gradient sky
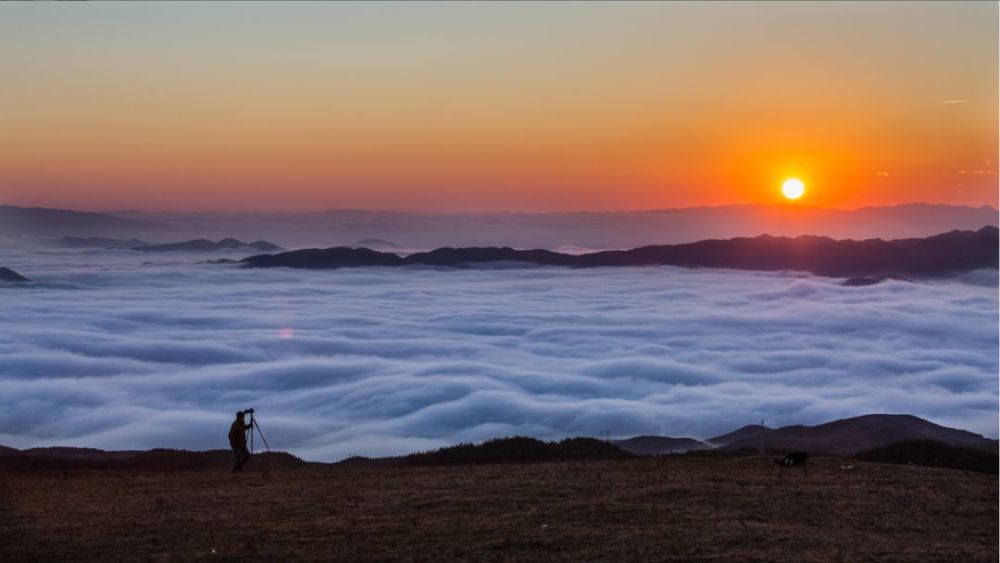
(495, 106)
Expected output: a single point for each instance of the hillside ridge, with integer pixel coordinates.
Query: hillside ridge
(839, 438)
(942, 254)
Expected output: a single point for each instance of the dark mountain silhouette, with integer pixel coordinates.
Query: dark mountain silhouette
(598, 230)
(470, 256)
(748, 432)
(938, 255)
(66, 458)
(41, 221)
(880, 438)
(97, 242)
(8, 275)
(362, 462)
(501, 450)
(934, 454)
(204, 245)
(264, 245)
(376, 243)
(217, 261)
(659, 445)
(517, 449)
(851, 435)
(863, 282)
(315, 258)
(595, 230)
(840, 438)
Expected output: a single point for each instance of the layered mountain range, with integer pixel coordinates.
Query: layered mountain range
(586, 230)
(858, 436)
(194, 245)
(840, 437)
(204, 245)
(941, 254)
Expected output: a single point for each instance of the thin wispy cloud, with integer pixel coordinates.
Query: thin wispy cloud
(108, 352)
(956, 101)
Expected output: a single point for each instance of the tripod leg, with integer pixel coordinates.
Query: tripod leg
(261, 432)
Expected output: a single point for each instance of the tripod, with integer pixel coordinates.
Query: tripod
(255, 426)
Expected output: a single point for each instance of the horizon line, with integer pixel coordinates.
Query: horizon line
(781, 205)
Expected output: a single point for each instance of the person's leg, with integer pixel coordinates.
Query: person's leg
(244, 456)
(237, 460)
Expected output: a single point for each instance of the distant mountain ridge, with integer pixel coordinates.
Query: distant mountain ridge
(660, 445)
(375, 242)
(888, 437)
(587, 229)
(204, 245)
(516, 449)
(43, 221)
(8, 275)
(852, 435)
(747, 432)
(941, 254)
(843, 437)
(864, 282)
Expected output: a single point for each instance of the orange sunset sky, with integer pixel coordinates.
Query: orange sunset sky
(495, 106)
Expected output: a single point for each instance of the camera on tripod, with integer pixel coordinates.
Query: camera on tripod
(254, 425)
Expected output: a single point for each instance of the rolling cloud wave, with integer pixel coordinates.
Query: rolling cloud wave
(105, 352)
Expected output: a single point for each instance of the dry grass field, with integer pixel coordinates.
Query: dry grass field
(665, 509)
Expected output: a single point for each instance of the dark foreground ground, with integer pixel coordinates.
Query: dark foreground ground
(678, 508)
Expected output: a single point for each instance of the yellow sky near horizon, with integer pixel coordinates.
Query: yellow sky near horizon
(498, 106)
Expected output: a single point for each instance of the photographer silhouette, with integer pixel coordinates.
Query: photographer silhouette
(238, 441)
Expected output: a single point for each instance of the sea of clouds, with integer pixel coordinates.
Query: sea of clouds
(123, 350)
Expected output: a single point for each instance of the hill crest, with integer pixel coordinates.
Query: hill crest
(941, 254)
(849, 436)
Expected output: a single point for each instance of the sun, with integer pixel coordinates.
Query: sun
(793, 188)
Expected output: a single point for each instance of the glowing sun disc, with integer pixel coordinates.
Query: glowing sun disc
(793, 188)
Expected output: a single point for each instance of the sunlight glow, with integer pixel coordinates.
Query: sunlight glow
(793, 188)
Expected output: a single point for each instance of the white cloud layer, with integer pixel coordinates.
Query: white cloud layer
(108, 352)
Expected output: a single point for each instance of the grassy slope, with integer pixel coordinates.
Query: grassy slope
(677, 508)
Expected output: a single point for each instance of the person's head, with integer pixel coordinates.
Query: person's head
(239, 415)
